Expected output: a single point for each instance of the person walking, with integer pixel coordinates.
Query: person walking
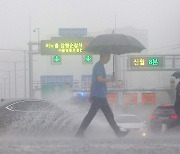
(176, 108)
(98, 98)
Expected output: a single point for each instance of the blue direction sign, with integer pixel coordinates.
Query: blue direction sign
(54, 84)
(72, 31)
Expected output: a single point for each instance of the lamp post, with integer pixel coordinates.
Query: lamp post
(25, 75)
(31, 91)
(31, 44)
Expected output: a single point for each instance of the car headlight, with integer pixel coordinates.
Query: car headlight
(144, 134)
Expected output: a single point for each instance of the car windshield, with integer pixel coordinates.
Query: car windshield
(164, 110)
(128, 119)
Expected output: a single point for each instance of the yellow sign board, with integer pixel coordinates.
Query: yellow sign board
(65, 45)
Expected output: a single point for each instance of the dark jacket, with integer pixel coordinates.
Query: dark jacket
(177, 102)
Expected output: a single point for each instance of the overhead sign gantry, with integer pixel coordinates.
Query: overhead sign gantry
(72, 41)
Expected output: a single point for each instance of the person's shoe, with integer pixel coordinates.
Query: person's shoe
(122, 132)
(79, 135)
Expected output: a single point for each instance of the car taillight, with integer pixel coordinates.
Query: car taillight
(174, 116)
(153, 117)
(167, 105)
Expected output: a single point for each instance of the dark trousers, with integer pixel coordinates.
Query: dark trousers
(99, 103)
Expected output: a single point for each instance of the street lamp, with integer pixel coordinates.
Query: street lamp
(31, 44)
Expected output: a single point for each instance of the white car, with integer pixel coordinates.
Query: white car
(132, 123)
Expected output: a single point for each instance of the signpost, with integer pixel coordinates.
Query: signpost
(146, 62)
(86, 80)
(149, 98)
(54, 84)
(64, 45)
(130, 99)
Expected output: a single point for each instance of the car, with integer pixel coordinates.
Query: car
(23, 113)
(81, 96)
(131, 123)
(163, 114)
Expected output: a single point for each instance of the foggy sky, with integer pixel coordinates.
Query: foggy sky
(161, 18)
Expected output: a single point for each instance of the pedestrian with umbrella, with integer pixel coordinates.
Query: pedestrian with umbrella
(177, 102)
(105, 45)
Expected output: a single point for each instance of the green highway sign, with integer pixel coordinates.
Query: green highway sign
(146, 62)
(87, 59)
(56, 59)
(55, 84)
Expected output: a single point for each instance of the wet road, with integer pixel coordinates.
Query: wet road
(100, 139)
(90, 145)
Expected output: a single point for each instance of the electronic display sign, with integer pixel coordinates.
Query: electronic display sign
(149, 62)
(72, 31)
(64, 45)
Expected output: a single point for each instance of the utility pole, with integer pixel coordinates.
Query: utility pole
(4, 88)
(15, 90)
(25, 95)
(1, 91)
(9, 85)
(31, 91)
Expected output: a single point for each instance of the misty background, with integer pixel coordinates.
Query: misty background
(159, 19)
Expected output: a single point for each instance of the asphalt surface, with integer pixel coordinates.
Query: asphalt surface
(90, 145)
